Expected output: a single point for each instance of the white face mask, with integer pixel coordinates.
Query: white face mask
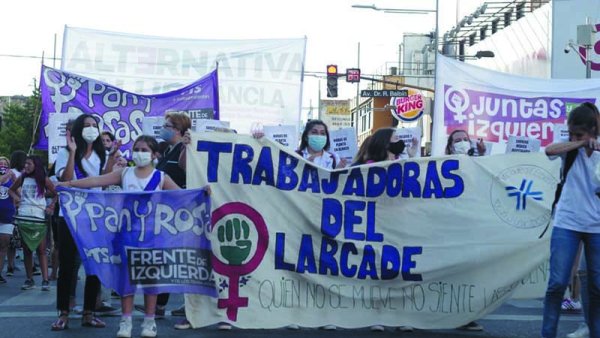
(141, 158)
(90, 134)
(462, 147)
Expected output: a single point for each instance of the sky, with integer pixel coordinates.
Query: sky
(332, 27)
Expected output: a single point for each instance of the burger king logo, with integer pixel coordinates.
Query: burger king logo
(408, 108)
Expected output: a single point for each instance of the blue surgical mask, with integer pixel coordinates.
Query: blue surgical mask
(166, 134)
(317, 142)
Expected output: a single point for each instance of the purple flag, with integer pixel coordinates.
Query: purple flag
(154, 241)
(119, 111)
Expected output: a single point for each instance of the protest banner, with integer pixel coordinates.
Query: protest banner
(259, 79)
(155, 241)
(201, 125)
(493, 105)
(151, 125)
(336, 114)
(407, 135)
(57, 138)
(119, 111)
(284, 135)
(561, 133)
(430, 242)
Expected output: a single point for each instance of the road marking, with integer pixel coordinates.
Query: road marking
(31, 297)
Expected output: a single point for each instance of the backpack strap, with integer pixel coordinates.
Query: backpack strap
(569, 160)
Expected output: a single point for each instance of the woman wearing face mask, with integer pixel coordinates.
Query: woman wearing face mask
(143, 177)
(460, 143)
(175, 126)
(314, 146)
(86, 157)
(383, 145)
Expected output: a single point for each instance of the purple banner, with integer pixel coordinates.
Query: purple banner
(494, 117)
(119, 111)
(153, 241)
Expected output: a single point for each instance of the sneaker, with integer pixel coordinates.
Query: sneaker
(406, 328)
(10, 272)
(106, 310)
(223, 326)
(569, 305)
(159, 312)
(183, 324)
(148, 328)
(293, 327)
(329, 327)
(37, 271)
(2, 280)
(114, 295)
(125, 328)
(472, 326)
(45, 285)
(582, 332)
(377, 328)
(179, 312)
(28, 285)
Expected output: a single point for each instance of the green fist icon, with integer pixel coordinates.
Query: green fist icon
(236, 233)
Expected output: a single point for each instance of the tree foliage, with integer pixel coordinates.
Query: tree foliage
(18, 123)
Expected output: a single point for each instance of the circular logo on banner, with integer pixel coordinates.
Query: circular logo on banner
(520, 196)
(408, 108)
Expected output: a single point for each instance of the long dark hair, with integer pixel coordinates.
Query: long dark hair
(38, 174)
(585, 116)
(377, 150)
(97, 146)
(309, 125)
(17, 159)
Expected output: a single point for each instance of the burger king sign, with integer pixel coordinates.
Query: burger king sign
(408, 108)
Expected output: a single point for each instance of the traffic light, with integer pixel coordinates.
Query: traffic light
(332, 81)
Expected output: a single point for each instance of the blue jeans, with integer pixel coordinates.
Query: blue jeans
(563, 249)
(583, 281)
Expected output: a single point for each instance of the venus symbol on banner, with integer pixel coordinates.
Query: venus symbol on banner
(235, 245)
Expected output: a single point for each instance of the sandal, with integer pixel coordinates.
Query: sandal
(89, 320)
(62, 323)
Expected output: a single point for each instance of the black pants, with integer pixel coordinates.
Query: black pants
(67, 274)
(162, 299)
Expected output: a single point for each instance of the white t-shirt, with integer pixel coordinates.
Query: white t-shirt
(91, 165)
(578, 208)
(326, 160)
(31, 204)
(130, 182)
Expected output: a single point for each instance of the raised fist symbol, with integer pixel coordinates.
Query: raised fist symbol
(233, 236)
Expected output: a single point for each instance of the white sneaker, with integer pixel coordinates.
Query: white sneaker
(149, 328)
(329, 327)
(293, 327)
(125, 327)
(406, 328)
(223, 326)
(377, 328)
(582, 332)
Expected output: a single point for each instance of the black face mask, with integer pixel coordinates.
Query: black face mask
(396, 148)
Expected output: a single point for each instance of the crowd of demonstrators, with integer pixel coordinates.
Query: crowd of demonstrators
(459, 143)
(142, 177)
(17, 164)
(29, 195)
(576, 219)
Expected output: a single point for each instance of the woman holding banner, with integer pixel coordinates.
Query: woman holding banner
(576, 218)
(142, 177)
(85, 157)
(314, 146)
(32, 209)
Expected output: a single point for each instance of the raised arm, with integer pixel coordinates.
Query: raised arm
(112, 178)
(564, 147)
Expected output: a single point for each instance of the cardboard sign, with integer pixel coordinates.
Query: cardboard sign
(57, 131)
(561, 133)
(407, 135)
(152, 125)
(343, 142)
(204, 125)
(522, 144)
(284, 135)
